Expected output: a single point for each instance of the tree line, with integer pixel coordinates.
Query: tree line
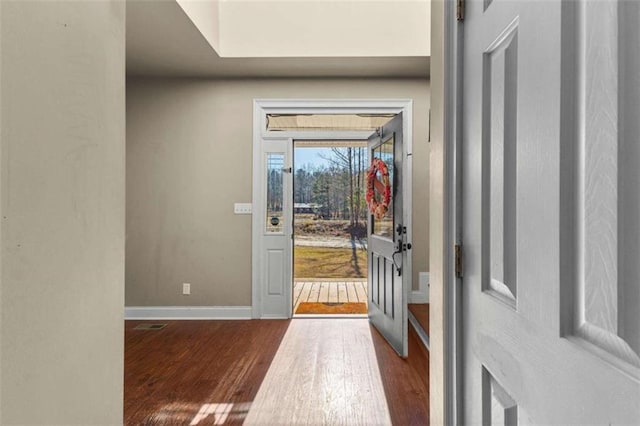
(337, 189)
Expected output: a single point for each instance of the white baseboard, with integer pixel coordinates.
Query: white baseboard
(188, 312)
(271, 317)
(422, 294)
(419, 330)
(417, 296)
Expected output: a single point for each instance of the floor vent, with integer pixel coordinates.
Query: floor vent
(149, 326)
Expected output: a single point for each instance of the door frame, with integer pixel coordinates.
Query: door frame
(445, 203)
(262, 107)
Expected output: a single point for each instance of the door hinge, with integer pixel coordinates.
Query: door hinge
(460, 10)
(458, 264)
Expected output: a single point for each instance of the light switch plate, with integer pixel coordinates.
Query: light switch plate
(242, 208)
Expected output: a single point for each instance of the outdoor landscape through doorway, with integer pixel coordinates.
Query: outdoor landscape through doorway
(329, 228)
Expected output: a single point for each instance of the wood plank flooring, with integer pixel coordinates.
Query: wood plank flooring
(406, 382)
(329, 291)
(421, 312)
(191, 367)
(209, 372)
(325, 372)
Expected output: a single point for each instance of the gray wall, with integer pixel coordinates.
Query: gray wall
(62, 202)
(189, 158)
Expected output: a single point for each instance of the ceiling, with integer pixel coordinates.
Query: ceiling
(163, 41)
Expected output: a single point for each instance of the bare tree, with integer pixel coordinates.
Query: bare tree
(338, 188)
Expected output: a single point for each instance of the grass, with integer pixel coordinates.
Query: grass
(328, 262)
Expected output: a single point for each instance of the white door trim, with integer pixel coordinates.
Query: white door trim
(262, 107)
(446, 208)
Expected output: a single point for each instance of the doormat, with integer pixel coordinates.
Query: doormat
(331, 308)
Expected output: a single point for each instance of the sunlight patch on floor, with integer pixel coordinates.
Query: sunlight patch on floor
(325, 372)
(220, 412)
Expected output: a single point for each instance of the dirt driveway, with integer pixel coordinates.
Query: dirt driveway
(324, 241)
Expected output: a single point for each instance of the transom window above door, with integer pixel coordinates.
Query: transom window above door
(325, 122)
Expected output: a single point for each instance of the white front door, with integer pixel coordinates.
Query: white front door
(551, 212)
(387, 245)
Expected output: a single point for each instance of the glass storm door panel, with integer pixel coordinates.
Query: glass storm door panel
(383, 227)
(386, 241)
(275, 194)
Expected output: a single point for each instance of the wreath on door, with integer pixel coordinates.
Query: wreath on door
(378, 190)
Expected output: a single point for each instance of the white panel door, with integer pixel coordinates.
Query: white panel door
(387, 245)
(275, 226)
(551, 212)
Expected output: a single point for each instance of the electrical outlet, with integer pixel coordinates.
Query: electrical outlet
(186, 288)
(242, 208)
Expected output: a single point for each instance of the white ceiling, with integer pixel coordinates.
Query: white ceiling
(163, 41)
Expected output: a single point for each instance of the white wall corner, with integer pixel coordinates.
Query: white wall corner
(187, 312)
(422, 294)
(205, 16)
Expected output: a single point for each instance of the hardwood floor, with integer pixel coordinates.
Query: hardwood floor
(421, 312)
(186, 368)
(325, 373)
(405, 381)
(209, 372)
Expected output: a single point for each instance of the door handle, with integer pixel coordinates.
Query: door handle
(398, 250)
(402, 246)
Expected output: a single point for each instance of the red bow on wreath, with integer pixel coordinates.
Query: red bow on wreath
(378, 189)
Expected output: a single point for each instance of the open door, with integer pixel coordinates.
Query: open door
(387, 248)
(551, 325)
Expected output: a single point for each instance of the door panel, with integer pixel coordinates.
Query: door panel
(551, 212)
(604, 293)
(386, 278)
(499, 150)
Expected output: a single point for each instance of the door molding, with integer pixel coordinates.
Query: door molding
(262, 107)
(445, 219)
